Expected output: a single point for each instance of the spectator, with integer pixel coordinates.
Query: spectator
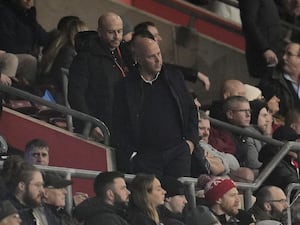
(146, 195)
(9, 214)
(165, 142)
(263, 34)
(22, 35)
(293, 119)
(284, 83)
(223, 200)
(172, 211)
(54, 200)
(100, 63)
(37, 152)
(60, 54)
(270, 204)
(107, 207)
(260, 117)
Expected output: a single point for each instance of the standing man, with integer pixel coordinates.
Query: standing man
(108, 207)
(100, 63)
(155, 115)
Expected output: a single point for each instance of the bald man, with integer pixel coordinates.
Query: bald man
(100, 63)
(155, 115)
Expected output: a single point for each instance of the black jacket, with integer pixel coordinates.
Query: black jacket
(95, 212)
(58, 216)
(93, 75)
(137, 217)
(128, 108)
(20, 32)
(169, 218)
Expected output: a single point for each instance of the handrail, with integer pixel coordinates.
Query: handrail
(289, 190)
(62, 109)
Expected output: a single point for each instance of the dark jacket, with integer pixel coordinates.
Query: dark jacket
(95, 212)
(279, 86)
(259, 214)
(58, 216)
(128, 109)
(262, 30)
(93, 75)
(242, 218)
(137, 217)
(169, 218)
(20, 32)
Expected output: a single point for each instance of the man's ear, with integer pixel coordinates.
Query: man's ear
(229, 114)
(219, 201)
(110, 194)
(267, 206)
(167, 199)
(21, 186)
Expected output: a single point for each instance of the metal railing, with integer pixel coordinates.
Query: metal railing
(62, 109)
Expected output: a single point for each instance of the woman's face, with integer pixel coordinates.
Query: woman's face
(264, 119)
(157, 195)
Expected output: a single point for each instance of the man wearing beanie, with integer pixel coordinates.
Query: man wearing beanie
(175, 201)
(9, 214)
(223, 200)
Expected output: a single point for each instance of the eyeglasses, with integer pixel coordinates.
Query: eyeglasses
(289, 54)
(279, 200)
(241, 110)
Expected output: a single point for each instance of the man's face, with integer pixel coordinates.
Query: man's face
(55, 196)
(34, 191)
(264, 119)
(120, 191)
(296, 126)
(111, 31)
(204, 129)
(154, 31)
(157, 195)
(38, 156)
(13, 219)
(229, 203)
(278, 204)
(26, 4)
(240, 114)
(149, 56)
(176, 203)
(291, 59)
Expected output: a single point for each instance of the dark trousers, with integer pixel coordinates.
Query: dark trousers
(175, 162)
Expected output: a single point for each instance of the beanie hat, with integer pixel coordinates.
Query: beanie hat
(285, 133)
(216, 188)
(256, 106)
(201, 215)
(6, 209)
(252, 92)
(172, 186)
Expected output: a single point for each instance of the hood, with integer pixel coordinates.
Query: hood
(84, 40)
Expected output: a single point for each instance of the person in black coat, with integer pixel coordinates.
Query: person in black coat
(263, 34)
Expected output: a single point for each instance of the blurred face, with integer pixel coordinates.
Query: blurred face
(153, 30)
(176, 203)
(278, 204)
(120, 191)
(111, 31)
(296, 126)
(204, 129)
(26, 4)
(157, 195)
(264, 119)
(273, 104)
(291, 59)
(229, 203)
(148, 56)
(55, 196)
(13, 219)
(240, 114)
(38, 156)
(34, 191)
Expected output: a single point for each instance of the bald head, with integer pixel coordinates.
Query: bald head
(147, 53)
(110, 29)
(233, 88)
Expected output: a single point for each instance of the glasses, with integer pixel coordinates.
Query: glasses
(289, 54)
(241, 110)
(279, 200)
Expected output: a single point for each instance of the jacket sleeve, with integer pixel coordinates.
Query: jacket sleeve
(188, 73)
(7, 37)
(78, 83)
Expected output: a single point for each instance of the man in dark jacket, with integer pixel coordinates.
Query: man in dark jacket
(100, 63)
(108, 207)
(155, 115)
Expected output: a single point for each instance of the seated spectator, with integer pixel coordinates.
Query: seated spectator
(107, 208)
(293, 119)
(60, 54)
(286, 171)
(9, 214)
(270, 204)
(146, 195)
(260, 117)
(223, 200)
(171, 212)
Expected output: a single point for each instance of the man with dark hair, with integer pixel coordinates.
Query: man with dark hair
(271, 203)
(37, 152)
(108, 206)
